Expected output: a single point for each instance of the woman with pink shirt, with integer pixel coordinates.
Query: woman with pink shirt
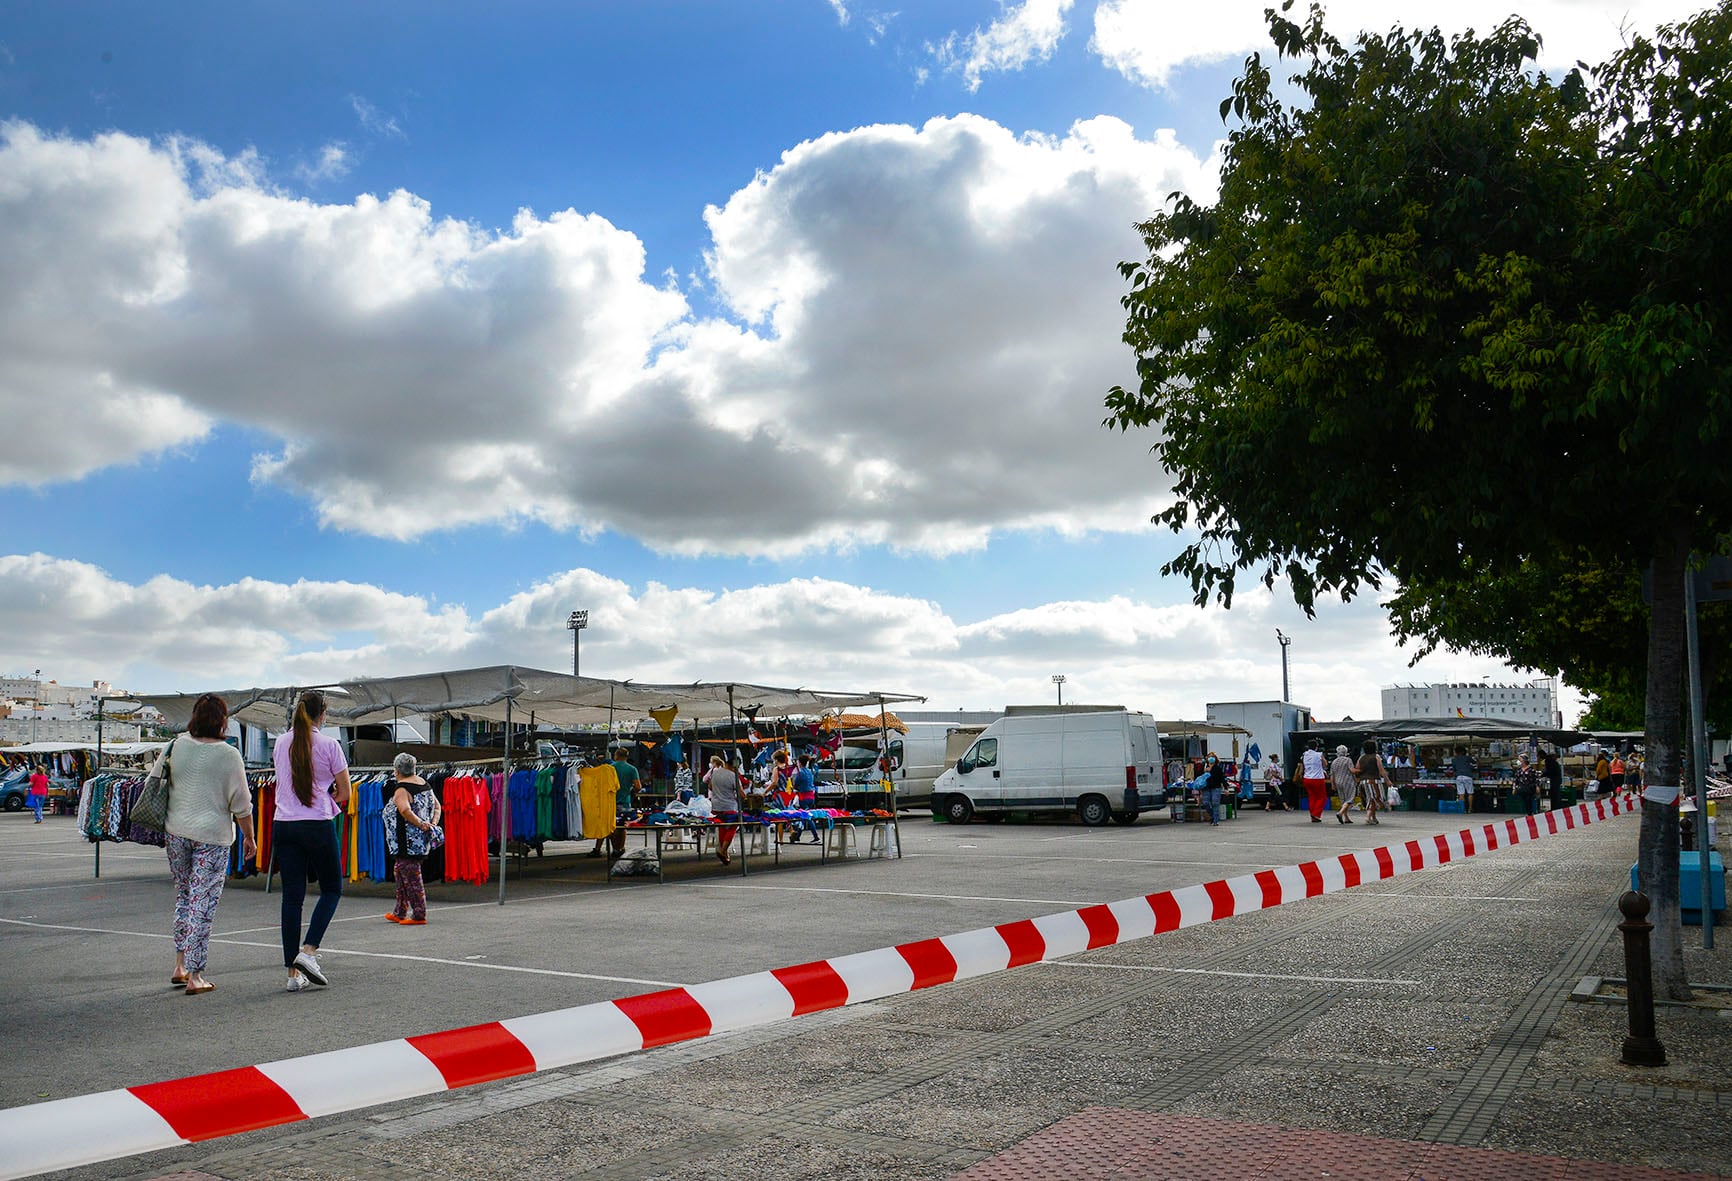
(312, 784)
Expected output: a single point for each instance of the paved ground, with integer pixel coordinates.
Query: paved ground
(1413, 1028)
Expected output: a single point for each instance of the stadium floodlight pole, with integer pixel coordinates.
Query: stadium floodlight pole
(35, 705)
(576, 621)
(1058, 679)
(1286, 642)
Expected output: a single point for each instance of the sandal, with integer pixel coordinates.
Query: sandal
(178, 980)
(196, 989)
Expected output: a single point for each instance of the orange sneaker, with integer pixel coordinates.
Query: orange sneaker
(391, 916)
(413, 922)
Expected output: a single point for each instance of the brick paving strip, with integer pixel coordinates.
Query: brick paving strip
(1105, 1143)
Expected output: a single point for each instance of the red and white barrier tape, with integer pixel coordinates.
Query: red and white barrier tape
(65, 1133)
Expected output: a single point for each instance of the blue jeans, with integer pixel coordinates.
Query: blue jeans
(303, 845)
(1212, 801)
(36, 803)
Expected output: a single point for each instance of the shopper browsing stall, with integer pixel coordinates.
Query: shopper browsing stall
(724, 786)
(411, 832)
(1461, 766)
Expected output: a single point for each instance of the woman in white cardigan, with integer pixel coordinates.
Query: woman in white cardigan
(207, 797)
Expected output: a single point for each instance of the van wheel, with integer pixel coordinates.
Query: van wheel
(1125, 818)
(1094, 810)
(958, 809)
(15, 803)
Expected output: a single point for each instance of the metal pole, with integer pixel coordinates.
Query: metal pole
(884, 748)
(101, 703)
(1285, 641)
(576, 636)
(1641, 1048)
(505, 804)
(1699, 757)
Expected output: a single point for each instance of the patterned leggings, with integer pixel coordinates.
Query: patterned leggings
(199, 871)
(411, 893)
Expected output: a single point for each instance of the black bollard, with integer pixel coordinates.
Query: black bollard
(1641, 1048)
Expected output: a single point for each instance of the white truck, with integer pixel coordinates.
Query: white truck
(1269, 723)
(1102, 766)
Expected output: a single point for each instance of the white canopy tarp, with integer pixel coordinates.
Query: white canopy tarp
(552, 697)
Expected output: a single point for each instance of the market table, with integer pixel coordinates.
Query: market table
(773, 828)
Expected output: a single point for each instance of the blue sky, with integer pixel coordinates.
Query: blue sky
(373, 338)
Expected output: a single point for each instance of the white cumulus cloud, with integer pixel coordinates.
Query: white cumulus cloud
(1026, 32)
(1170, 659)
(921, 324)
(1148, 40)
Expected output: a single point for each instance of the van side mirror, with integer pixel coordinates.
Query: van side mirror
(963, 766)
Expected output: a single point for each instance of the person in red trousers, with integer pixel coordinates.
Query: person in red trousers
(1315, 777)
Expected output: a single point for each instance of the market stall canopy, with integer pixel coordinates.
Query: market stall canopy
(485, 693)
(1424, 730)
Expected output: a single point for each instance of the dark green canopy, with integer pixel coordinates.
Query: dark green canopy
(1353, 733)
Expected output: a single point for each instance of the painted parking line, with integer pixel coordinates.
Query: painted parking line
(377, 955)
(890, 894)
(85, 1129)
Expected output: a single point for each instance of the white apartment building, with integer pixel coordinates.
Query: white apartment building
(18, 730)
(55, 699)
(1533, 702)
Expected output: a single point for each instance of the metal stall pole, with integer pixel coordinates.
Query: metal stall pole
(1699, 757)
(884, 753)
(505, 804)
(101, 704)
(740, 787)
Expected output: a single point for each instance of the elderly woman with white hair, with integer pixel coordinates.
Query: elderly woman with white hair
(411, 832)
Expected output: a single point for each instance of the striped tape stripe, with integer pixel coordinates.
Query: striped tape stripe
(66, 1133)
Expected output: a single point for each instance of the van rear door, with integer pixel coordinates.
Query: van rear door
(1145, 757)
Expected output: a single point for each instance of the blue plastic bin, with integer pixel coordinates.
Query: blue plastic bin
(1690, 886)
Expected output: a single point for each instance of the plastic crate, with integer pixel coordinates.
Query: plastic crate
(1451, 806)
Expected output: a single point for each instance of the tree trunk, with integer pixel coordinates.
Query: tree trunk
(1657, 851)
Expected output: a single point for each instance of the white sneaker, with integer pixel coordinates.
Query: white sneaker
(308, 963)
(298, 983)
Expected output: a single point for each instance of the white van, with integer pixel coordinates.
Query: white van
(1103, 766)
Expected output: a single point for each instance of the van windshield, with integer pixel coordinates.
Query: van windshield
(984, 753)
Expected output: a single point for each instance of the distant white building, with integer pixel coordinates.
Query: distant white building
(18, 730)
(1533, 702)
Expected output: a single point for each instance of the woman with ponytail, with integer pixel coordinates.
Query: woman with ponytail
(312, 784)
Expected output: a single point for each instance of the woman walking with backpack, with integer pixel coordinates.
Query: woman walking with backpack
(312, 784)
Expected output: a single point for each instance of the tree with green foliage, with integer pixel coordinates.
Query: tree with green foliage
(1436, 260)
(1576, 612)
